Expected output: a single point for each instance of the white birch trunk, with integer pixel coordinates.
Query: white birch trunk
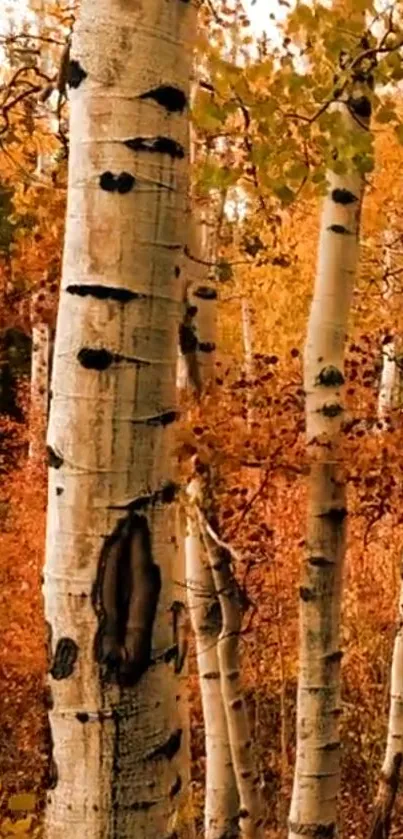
(389, 373)
(390, 773)
(317, 770)
(118, 719)
(39, 392)
(221, 797)
(198, 336)
(247, 778)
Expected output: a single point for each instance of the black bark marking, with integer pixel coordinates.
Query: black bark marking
(52, 776)
(102, 292)
(320, 562)
(177, 271)
(205, 292)
(171, 98)
(107, 181)
(95, 359)
(306, 594)
(176, 787)
(333, 658)
(122, 183)
(187, 338)
(243, 813)
(236, 704)
(161, 145)
(59, 490)
(339, 228)
(180, 629)
(330, 377)
(48, 645)
(170, 654)
(213, 674)
(336, 515)
(82, 717)
(343, 196)
(206, 346)
(55, 461)
(125, 599)
(314, 831)
(66, 655)
(331, 747)
(75, 74)
(170, 748)
(125, 183)
(331, 410)
(360, 106)
(166, 495)
(165, 418)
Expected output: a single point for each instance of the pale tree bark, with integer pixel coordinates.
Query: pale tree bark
(230, 601)
(390, 773)
(39, 396)
(391, 768)
(221, 796)
(317, 772)
(389, 373)
(118, 717)
(197, 344)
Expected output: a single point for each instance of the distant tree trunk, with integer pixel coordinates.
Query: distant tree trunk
(229, 597)
(317, 770)
(39, 391)
(390, 372)
(221, 796)
(197, 344)
(118, 717)
(390, 773)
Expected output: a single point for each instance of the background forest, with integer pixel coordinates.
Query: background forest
(267, 135)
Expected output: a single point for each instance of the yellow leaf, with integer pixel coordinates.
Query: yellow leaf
(22, 801)
(9, 828)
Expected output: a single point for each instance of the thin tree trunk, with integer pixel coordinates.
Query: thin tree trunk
(221, 796)
(118, 719)
(247, 778)
(317, 770)
(39, 391)
(198, 337)
(389, 373)
(390, 773)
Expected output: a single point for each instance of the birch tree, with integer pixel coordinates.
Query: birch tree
(118, 719)
(317, 770)
(390, 773)
(197, 344)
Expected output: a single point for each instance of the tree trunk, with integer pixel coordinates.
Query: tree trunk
(198, 337)
(390, 773)
(389, 374)
(221, 796)
(118, 718)
(317, 770)
(39, 391)
(247, 778)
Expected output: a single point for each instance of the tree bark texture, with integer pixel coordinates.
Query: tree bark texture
(317, 770)
(113, 586)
